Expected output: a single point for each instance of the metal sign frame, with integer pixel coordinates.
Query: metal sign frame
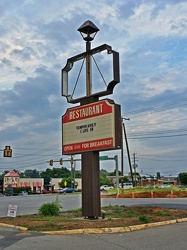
(110, 85)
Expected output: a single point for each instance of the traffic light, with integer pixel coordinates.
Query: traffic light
(51, 162)
(61, 161)
(71, 160)
(7, 151)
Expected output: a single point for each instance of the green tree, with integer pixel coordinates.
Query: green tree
(9, 191)
(125, 179)
(78, 174)
(158, 176)
(114, 173)
(46, 174)
(183, 178)
(56, 173)
(65, 172)
(68, 180)
(104, 180)
(103, 172)
(103, 177)
(29, 173)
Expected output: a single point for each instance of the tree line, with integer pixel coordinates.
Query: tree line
(63, 173)
(69, 175)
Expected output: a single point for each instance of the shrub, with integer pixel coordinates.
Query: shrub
(144, 219)
(50, 209)
(163, 213)
(131, 214)
(117, 210)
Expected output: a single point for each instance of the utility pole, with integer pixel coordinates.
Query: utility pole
(127, 147)
(134, 165)
(72, 174)
(122, 162)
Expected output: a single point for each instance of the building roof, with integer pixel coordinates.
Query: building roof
(12, 173)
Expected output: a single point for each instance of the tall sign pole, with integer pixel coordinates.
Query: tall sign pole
(93, 126)
(91, 207)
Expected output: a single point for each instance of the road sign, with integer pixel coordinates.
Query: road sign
(12, 210)
(103, 158)
(65, 183)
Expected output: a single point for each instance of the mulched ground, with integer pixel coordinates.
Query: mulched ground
(118, 217)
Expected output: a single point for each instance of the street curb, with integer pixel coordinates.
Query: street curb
(13, 226)
(116, 229)
(103, 230)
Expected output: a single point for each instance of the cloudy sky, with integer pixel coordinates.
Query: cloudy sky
(36, 39)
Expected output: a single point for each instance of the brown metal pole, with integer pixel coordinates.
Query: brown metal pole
(88, 70)
(91, 202)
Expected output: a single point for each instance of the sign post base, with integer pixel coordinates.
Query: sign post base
(91, 204)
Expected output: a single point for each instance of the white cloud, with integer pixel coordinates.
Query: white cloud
(37, 38)
(170, 21)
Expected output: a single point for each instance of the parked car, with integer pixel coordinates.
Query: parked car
(59, 191)
(105, 187)
(126, 185)
(45, 191)
(68, 190)
(23, 193)
(165, 186)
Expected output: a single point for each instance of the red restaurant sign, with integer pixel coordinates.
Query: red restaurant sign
(91, 127)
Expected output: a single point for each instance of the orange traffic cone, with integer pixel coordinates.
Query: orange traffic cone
(101, 196)
(132, 195)
(152, 195)
(172, 196)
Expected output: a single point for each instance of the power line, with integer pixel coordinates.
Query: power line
(157, 123)
(158, 132)
(158, 108)
(155, 159)
(151, 137)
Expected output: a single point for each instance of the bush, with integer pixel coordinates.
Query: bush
(144, 219)
(50, 209)
(20, 189)
(9, 191)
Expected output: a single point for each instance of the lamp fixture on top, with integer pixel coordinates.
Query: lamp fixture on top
(88, 31)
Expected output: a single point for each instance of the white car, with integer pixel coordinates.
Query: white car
(165, 186)
(126, 185)
(105, 187)
(23, 193)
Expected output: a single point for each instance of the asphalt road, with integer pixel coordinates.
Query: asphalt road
(31, 203)
(169, 237)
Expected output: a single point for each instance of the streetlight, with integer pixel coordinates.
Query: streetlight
(88, 31)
